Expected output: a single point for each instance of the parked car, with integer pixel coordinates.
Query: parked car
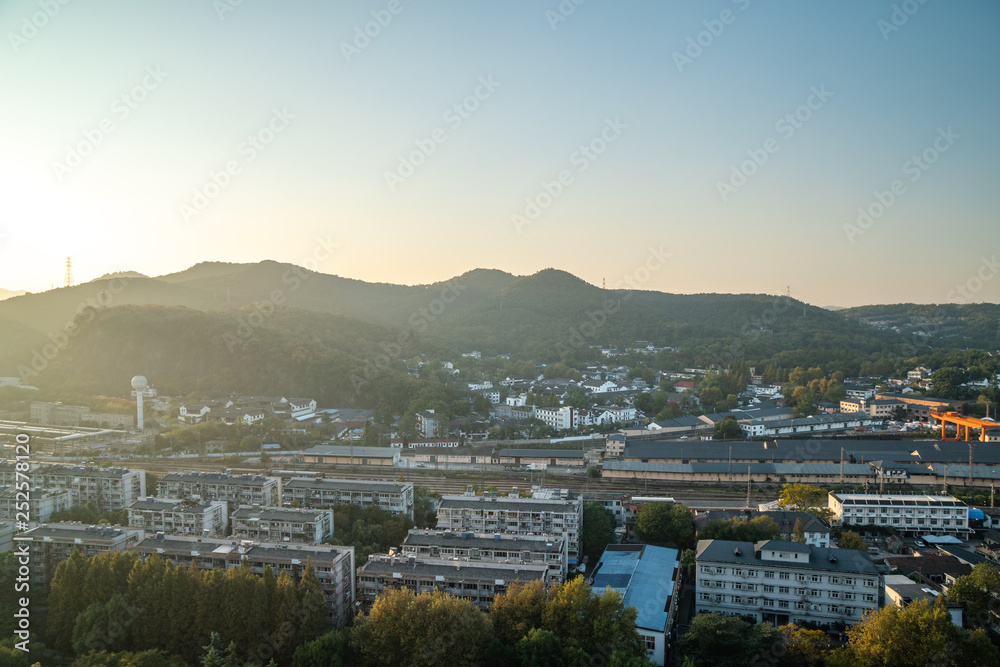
(919, 543)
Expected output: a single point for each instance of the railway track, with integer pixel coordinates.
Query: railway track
(457, 481)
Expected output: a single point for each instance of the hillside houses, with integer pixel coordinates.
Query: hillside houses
(247, 409)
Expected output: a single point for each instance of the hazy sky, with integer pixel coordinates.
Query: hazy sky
(739, 137)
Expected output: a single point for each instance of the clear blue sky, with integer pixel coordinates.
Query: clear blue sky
(673, 131)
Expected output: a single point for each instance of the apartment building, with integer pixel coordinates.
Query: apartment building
(334, 566)
(549, 550)
(520, 516)
(911, 515)
(562, 418)
(476, 581)
(234, 489)
(427, 424)
(39, 508)
(110, 489)
(183, 517)
(51, 544)
(782, 582)
(277, 524)
(324, 492)
(647, 578)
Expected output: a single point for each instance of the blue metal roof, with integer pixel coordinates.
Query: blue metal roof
(644, 575)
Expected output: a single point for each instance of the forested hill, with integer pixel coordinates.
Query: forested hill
(971, 325)
(336, 360)
(553, 314)
(173, 325)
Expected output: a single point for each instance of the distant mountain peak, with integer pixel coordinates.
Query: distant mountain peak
(9, 294)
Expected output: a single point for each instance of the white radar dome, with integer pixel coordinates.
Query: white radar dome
(139, 382)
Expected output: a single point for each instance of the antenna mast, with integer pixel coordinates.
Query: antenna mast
(68, 278)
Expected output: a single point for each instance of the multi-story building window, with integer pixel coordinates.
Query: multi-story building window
(820, 573)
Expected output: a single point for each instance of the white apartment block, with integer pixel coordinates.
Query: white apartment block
(479, 582)
(323, 492)
(234, 489)
(785, 582)
(549, 550)
(111, 489)
(276, 524)
(427, 424)
(912, 515)
(334, 566)
(519, 516)
(182, 517)
(562, 418)
(40, 506)
(51, 544)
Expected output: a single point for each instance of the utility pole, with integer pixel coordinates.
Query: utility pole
(749, 488)
(946, 478)
(991, 495)
(841, 466)
(971, 445)
(730, 463)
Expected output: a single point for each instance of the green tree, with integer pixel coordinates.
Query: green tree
(979, 594)
(517, 610)
(717, 640)
(850, 540)
(801, 497)
(591, 621)
(804, 648)
(598, 530)
(728, 429)
(540, 648)
(330, 650)
(916, 635)
(593, 472)
(799, 532)
(665, 524)
(425, 629)
(65, 600)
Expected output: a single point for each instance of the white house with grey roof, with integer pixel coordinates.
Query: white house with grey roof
(549, 550)
(281, 524)
(321, 492)
(476, 581)
(783, 582)
(913, 515)
(520, 516)
(185, 517)
(234, 489)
